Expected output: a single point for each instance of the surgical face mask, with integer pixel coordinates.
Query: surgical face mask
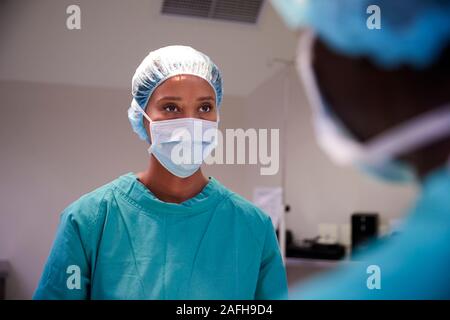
(181, 145)
(393, 171)
(378, 155)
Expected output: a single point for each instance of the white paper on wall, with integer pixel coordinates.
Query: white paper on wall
(270, 200)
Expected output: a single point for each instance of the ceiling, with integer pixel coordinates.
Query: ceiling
(116, 35)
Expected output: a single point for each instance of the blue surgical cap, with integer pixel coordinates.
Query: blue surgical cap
(162, 64)
(412, 32)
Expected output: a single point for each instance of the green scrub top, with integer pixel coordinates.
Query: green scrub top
(121, 242)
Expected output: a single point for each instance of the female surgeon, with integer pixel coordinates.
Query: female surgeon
(167, 232)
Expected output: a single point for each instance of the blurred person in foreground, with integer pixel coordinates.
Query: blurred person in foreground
(380, 98)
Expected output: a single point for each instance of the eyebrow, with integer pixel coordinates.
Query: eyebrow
(179, 98)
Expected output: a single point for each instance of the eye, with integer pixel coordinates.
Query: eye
(205, 108)
(171, 108)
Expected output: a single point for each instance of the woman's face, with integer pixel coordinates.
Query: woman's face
(182, 96)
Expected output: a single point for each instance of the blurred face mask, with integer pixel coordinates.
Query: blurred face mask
(377, 156)
(181, 145)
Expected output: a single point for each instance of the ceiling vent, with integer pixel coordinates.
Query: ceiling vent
(246, 11)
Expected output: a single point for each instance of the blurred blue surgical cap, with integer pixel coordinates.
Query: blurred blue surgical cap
(413, 32)
(162, 64)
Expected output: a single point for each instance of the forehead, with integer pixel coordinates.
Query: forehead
(184, 83)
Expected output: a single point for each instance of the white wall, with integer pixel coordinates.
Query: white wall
(115, 35)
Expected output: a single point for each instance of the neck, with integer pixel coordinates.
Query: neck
(169, 188)
(429, 158)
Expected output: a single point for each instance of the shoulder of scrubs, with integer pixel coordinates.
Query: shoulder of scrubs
(411, 265)
(67, 271)
(272, 281)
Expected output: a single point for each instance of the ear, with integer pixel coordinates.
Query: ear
(146, 125)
